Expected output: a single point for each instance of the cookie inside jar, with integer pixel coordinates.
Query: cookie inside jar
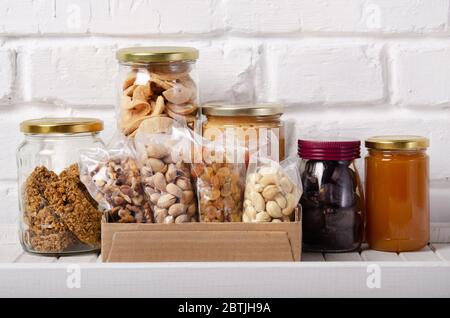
(157, 82)
(57, 214)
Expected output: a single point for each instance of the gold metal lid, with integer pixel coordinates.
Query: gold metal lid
(225, 110)
(156, 54)
(64, 125)
(397, 143)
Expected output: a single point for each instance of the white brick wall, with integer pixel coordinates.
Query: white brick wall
(342, 67)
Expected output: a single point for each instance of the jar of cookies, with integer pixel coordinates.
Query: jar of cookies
(156, 81)
(57, 214)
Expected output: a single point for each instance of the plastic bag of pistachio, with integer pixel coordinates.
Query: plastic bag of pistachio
(163, 150)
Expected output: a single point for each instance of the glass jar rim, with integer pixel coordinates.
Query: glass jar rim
(405, 142)
(149, 54)
(236, 110)
(61, 125)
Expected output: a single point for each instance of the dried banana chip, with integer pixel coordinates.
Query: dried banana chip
(185, 109)
(140, 107)
(132, 124)
(158, 107)
(188, 82)
(129, 91)
(179, 94)
(181, 118)
(170, 76)
(154, 125)
(170, 68)
(131, 78)
(161, 83)
(125, 102)
(142, 92)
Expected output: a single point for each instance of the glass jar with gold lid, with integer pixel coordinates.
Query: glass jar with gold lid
(252, 125)
(57, 214)
(397, 193)
(156, 81)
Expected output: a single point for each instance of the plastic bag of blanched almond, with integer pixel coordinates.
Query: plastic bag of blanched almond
(273, 189)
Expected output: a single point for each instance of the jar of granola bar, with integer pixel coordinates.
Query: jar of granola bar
(156, 81)
(57, 214)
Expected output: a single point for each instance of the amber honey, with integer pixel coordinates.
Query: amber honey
(397, 193)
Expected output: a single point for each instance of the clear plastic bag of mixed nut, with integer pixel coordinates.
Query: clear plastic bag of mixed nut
(113, 179)
(163, 147)
(220, 182)
(272, 190)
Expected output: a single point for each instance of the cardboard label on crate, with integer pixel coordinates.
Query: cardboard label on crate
(201, 242)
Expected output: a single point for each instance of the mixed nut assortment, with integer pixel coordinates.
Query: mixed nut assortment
(149, 92)
(270, 196)
(142, 177)
(117, 185)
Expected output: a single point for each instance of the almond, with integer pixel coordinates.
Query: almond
(258, 201)
(270, 192)
(166, 201)
(174, 190)
(177, 209)
(273, 209)
(266, 179)
(184, 183)
(183, 218)
(160, 182)
(171, 173)
(286, 185)
(155, 197)
(156, 151)
(156, 165)
(263, 217)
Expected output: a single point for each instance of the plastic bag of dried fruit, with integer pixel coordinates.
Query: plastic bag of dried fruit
(220, 181)
(272, 189)
(113, 179)
(163, 148)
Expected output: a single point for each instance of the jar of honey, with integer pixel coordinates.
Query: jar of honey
(254, 127)
(397, 193)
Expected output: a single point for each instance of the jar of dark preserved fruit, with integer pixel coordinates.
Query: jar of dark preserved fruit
(333, 200)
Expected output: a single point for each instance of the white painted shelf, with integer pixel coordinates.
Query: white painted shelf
(425, 273)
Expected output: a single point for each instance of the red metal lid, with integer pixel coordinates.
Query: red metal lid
(339, 149)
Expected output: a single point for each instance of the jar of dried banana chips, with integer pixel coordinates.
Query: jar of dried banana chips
(156, 81)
